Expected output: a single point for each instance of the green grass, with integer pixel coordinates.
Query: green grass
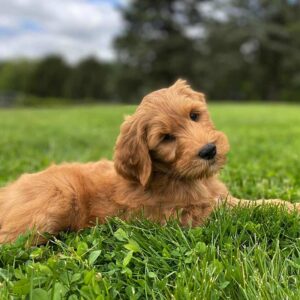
(242, 254)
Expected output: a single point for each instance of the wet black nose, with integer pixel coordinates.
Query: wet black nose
(209, 151)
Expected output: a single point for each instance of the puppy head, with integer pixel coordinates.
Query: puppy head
(171, 132)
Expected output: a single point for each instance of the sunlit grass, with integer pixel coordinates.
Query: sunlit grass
(244, 254)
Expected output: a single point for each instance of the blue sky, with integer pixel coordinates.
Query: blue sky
(72, 28)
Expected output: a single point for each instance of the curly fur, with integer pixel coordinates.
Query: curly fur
(150, 174)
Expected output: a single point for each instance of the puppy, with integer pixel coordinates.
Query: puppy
(166, 163)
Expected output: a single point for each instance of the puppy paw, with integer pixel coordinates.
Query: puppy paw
(297, 207)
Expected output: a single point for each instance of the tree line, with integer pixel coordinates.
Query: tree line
(235, 49)
(52, 77)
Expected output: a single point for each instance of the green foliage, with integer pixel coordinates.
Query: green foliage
(49, 77)
(260, 51)
(154, 49)
(230, 49)
(235, 49)
(14, 75)
(239, 254)
(89, 80)
(52, 81)
(235, 255)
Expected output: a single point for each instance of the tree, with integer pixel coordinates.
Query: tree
(154, 48)
(49, 77)
(14, 75)
(89, 80)
(258, 43)
(237, 50)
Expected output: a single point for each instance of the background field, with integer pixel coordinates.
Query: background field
(247, 254)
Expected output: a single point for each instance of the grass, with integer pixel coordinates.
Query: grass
(243, 254)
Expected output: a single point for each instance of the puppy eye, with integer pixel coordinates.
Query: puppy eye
(194, 116)
(168, 138)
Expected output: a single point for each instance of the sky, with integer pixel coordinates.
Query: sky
(72, 28)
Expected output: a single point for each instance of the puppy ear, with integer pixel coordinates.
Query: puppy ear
(132, 159)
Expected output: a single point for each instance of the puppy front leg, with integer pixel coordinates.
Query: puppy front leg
(231, 201)
(195, 215)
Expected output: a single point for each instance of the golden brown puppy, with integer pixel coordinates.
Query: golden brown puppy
(167, 159)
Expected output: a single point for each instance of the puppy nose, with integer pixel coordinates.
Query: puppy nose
(208, 152)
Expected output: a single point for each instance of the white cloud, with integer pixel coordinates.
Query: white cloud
(72, 28)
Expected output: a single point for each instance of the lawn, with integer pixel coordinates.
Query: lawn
(239, 254)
